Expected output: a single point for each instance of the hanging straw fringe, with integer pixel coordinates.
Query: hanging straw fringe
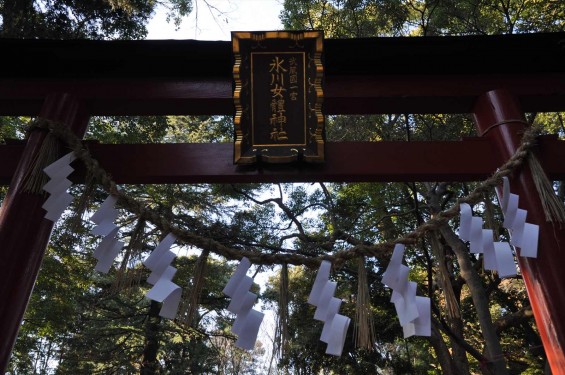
(129, 278)
(553, 208)
(75, 221)
(48, 153)
(191, 300)
(364, 330)
(282, 328)
(71, 236)
(452, 306)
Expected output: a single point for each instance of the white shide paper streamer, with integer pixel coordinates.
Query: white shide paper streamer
(335, 326)
(523, 235)
(59, 199)
(164, 290)
(497, 256)
(247, 321)
(109, 248)
(414, 312)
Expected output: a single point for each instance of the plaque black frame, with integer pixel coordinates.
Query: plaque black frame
(278, 116)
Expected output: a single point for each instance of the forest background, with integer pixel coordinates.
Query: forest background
(82, 322)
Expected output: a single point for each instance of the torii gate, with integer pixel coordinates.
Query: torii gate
(496, 78)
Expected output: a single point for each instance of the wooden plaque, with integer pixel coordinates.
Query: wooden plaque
(278, 96)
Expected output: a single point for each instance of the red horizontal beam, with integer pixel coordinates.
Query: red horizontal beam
(363, 76)
(472, 159)
(344, 94)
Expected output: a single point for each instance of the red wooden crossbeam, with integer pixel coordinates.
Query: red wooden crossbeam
(344, 94)
(472, 159)
(363, 76)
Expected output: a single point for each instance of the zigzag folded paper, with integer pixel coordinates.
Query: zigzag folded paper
(164, 290)
(109, 248)
(249, 330)
(322, 278)
(335, 326)
(497, 256)
(105, 216)
(152, 261)
(405, 303)
(246, 307)
(324, 301)
(167, 292)
(394, 271)
(331, 312)
(160, 258)
(338, 332)
(241, 297)
(413, 312)
(247, 321)
(421, 326)
(59, 199)
(471, 229)
(523, 235)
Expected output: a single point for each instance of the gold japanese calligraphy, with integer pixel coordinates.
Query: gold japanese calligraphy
(278, 91)
(273, 96)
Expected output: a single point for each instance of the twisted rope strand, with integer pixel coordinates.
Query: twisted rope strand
(131, 204)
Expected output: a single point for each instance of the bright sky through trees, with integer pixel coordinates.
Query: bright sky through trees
(216, 21)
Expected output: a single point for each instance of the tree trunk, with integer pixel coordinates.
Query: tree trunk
(442, 352)
(459, 353)
(444, 278)
(149, 365)
(480, 300)
(476, 287)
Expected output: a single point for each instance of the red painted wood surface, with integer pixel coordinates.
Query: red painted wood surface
(345, 162)
(344, 94)
(370, 75)
(544, 275)
(24, 233)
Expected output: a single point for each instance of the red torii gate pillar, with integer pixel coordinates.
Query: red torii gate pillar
(24, 233)
(498, 116)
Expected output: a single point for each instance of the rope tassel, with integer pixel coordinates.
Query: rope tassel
(191, 299)
(553, 208)
(364, 330)
(283, 311)
(130, 278)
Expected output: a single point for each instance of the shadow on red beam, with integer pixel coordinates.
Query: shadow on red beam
(472, 159)
(345, 94)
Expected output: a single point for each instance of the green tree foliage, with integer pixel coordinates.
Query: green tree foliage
(93, 19)
(368, 18)
(345, 18)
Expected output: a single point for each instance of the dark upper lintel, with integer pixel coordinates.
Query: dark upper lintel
(362, 76)
(177, 59)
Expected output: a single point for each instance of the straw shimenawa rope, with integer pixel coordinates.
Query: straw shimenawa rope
(62, 132)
